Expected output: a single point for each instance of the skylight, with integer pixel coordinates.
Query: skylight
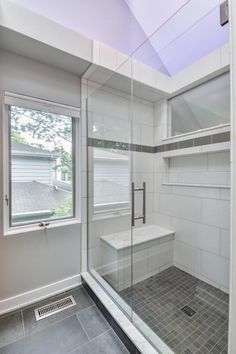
(170, 35)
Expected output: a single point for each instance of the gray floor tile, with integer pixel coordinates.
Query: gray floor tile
(93, 322)
(17, 347)
(107, 343)
(82, 300)
(11, 328)
(158, 301)
(59, 338)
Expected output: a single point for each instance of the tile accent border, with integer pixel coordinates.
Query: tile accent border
(200, 141)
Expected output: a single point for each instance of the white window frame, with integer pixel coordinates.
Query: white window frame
(11, 99)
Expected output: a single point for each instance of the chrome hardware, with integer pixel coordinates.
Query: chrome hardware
(143, 217)
(44, 225)
(6, 199)
(224, 13)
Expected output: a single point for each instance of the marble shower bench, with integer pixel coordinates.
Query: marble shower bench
(152, 252)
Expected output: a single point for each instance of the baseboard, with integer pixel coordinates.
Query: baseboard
(32, 296)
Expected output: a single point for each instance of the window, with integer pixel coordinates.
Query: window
(204, 106)
(111, 180)
(41, 164)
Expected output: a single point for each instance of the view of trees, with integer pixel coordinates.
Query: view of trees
(44, 130)
(47, 131)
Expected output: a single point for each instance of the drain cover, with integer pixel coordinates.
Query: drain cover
(188, 311)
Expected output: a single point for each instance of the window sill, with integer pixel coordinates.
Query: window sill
(31, 228)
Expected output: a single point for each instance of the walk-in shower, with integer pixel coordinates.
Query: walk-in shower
(159, 185)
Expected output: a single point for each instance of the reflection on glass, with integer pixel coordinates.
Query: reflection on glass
(111, 180)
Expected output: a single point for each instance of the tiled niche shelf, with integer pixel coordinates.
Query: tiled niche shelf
(204, 149)
(222, 186)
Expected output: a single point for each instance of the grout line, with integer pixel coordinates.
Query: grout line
(47, 325)
(56, 322)
(83, 328)
(23, 322)
(89, 341)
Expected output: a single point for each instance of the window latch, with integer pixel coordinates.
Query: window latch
(44, 225)
(6, 199)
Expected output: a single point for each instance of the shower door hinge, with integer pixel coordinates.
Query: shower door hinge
(224, 13)
(6, 199)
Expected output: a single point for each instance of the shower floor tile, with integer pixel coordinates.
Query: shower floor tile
(159, 301)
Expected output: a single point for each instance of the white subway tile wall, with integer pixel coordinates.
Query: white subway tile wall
(200, 216)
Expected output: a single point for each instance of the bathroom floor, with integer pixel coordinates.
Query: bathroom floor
(159, 300)
(81, 329)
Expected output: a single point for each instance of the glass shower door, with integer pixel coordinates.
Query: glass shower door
(109, 108)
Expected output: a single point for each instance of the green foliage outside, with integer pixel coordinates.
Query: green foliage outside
(15, 136)
(49, 128)
(65, 209)
(45, 126)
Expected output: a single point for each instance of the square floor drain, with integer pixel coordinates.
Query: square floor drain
(188, 311)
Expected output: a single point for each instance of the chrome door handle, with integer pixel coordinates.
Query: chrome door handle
(143, 217)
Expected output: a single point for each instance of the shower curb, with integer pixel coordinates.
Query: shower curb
(133, 340)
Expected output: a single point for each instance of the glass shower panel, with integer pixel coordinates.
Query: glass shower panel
(109, 179)
(144, 235)
(173, 286)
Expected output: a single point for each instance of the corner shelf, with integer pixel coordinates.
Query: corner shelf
(204, 149)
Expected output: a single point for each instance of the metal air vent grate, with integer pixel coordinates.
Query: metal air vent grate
(54, 307)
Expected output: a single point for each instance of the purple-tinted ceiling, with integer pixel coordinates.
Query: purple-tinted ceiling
(186, 30)
(181, 32)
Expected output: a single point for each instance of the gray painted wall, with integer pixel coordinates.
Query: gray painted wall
(35, 259)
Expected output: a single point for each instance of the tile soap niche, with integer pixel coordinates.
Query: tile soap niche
(207, 170)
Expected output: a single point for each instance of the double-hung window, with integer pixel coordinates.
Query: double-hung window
(40, 162)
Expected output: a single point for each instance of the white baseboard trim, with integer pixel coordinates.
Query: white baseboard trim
(32, 296)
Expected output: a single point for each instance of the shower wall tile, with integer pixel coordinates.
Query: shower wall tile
(163, 220)
(199, 216)
(142, 162)
(200, 192)
(142, 112)
(225, 194)
(216, 212)
(189, 163)
(225, 243)
(187, 256)
(136, 133)
(146, 135)
(219, 161)
(209, 238)
(215, 268)
(160, 256)
(185, 231)
(180, 206)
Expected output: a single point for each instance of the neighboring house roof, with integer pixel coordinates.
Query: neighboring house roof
(34, 196)
(29, 150)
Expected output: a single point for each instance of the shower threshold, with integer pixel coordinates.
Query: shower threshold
(146, 341)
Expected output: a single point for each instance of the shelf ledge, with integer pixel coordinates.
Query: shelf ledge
(204, 149)
(222, 186)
